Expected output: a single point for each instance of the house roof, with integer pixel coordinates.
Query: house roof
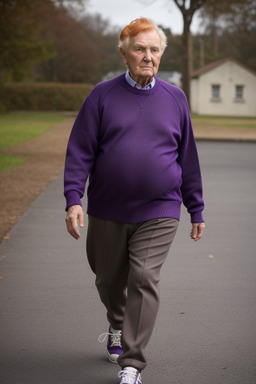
(215, 64)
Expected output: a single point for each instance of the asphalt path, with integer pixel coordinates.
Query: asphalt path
(206, 329)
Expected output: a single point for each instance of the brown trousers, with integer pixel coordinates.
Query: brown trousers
(127, 259)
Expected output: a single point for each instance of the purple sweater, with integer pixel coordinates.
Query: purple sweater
(138, 149)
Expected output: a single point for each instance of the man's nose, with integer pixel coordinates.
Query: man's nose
(148, 56)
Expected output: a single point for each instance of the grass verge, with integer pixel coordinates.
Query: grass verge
(225, 121)
(18, 127)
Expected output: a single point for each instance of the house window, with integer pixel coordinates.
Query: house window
(239, 95)
(215, 92)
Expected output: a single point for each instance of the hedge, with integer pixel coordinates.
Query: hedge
(43, 96)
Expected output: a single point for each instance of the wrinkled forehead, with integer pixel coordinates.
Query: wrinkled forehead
(146, 38)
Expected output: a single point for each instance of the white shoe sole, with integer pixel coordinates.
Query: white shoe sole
(112, 358)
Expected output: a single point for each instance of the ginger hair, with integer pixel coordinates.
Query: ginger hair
(140, 25)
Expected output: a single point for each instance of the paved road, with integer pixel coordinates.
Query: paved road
(206, 330)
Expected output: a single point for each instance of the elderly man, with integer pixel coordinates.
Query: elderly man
(133, 138)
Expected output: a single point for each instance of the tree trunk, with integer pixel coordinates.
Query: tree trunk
(187, 14)
(186, 61)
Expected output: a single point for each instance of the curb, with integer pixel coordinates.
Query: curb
(226, 139)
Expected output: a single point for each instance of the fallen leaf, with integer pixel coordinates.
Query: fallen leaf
(6, 237)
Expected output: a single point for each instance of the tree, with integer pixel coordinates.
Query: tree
(188, 9)
(24, 39)
(171, 59)
(21, 41)
(76, 57)
(231, 29)
(86, 48)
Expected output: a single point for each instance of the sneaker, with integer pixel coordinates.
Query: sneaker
(130, 375)
(114, 347)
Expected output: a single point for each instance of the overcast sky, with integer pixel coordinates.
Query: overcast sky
(121, 12)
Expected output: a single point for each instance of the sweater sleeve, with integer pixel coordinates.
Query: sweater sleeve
(81, 153)
(191, 189)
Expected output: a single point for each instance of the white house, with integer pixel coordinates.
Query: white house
(224, 88)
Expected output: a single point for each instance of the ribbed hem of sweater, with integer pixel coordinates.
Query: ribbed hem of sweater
(150, 211)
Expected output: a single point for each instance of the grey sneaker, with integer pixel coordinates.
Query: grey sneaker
(130, 375)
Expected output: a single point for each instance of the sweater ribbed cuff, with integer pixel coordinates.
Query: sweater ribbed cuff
(72, 198)
(197, 217)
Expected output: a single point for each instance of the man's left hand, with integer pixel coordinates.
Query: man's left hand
(197, 231)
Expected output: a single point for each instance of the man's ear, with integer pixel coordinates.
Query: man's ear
(123, 55)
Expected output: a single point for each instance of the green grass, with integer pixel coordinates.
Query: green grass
(9, 161)
(225, 121)
(18, 127)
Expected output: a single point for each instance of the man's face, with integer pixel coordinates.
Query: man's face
(142, 56)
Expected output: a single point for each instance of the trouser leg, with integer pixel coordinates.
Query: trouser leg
(148, 248)
(108, 257)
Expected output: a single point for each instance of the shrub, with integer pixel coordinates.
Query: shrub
(43, 96)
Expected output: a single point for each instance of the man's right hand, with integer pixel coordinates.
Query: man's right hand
(75, 213)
